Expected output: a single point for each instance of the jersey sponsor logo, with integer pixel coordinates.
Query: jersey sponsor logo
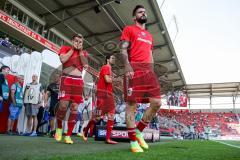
(144, 40)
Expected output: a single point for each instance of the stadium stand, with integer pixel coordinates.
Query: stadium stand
(11, 46)
(221, 124)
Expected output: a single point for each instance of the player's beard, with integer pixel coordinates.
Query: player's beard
(142, 20)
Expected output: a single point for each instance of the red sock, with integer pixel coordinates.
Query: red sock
(70, 128)
(141, 125)
(59, 123)
(71, 120)
(90, 126)
(91, 131)
(132, 134)
(109, 127)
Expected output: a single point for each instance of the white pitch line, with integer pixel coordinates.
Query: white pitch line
(227, 144)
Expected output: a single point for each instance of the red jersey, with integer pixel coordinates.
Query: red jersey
(141, 44)
(74, 60)
(102, 84)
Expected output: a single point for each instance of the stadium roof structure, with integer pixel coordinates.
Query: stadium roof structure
(101, 23)
(231, 89)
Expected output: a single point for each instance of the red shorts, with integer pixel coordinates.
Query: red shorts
(105, 103)
(141, 87)
(71, 88)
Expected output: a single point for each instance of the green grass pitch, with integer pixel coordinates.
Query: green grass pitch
(36, 148)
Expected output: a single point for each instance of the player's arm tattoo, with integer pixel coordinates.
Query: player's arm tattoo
(124, 46)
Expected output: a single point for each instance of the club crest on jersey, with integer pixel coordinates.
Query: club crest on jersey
(129, 91)
(143, 34)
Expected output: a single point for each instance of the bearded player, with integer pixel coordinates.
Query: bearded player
(141, 84)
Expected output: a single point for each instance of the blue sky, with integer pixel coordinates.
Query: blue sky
(207, 44)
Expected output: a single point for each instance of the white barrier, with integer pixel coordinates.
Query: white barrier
(7, 61)
(29, 64)
(51, 58)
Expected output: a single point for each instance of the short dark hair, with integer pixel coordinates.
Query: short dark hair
(136, 8)
(108, 57)
(4, 67)
(77, 35)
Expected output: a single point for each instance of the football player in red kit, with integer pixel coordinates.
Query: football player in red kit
(105, 100)
(141, 84)
(73, 59)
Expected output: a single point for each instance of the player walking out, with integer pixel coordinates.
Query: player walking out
(141, 85)
(105, 100)
(73, 59)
